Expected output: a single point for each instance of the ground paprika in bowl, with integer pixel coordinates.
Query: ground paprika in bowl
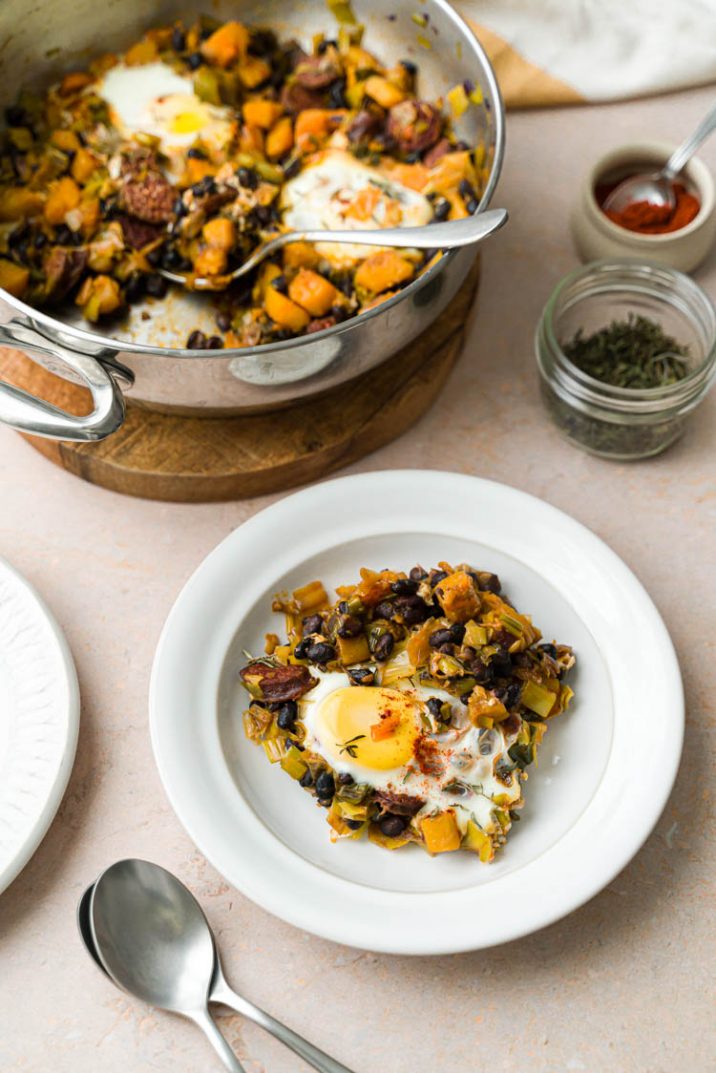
(679, 240)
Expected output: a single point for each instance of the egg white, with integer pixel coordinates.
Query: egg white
(318, 197)
(153, 99)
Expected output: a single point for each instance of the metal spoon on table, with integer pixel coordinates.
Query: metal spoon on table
(656, 187)
(438, 236)
(146, 930)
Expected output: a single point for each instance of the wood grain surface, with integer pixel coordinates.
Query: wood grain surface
(198, 459)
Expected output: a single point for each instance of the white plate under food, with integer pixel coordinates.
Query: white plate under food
(39, 721)
(590, 803)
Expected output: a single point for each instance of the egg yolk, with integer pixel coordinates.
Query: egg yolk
(346, 717)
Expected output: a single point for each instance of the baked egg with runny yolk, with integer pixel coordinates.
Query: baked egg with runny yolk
(375, 727)
(334, 191)
(153, 99)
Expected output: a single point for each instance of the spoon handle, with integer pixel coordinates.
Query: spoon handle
(681, 156)
(438, 236)
(206, 1022)
(221, 992)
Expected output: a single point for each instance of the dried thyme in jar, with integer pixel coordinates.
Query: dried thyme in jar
(625, 352)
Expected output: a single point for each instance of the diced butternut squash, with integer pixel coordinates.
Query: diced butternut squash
(374, 585)
(364, 203)
(226, 45)
(83, 165)
(219, 233)
(98, 296)
(383, 92)
(13, 278)
(449, 170)
(66, 140)
(353, 649)
(300, 255)
(459, 597)
(261, 113)
(210, 262)
(197, 169)
(283, 311)
(314, 124)
(312, 292)
(383, 270)
(279, 139)
(143, 52)
(74, 82)
(414, 176)
(253, 71)
(64, 196)
(441, 832)
(251, 140)
(386, 727)
(19, 203)
(313, 596)
(89, 211)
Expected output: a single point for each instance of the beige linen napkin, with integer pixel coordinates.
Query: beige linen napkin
(569, 51)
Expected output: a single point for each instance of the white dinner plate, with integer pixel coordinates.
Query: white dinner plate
(605, 769)
(39, 721)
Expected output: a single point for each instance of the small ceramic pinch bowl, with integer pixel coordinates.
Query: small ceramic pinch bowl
(597, 237)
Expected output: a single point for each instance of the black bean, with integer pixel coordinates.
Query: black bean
(223, 321)
(361, 676)
(501, 663)
(436, 576)
(457, 632)
(280, 284)
(298, 745)
(154, 256)
(312, 624)
(196, 341)
(435, 706)
(262, 214)
(215, 342)
(346, 779)
(323, 45)
(441, 210)
(418, 574)
(306, 780)
(472, 206)
(549, 649)
(392, 825)
(301, 649)
(16, 116)
(412, 158)
(63, 235)
(466, 190)
(171, 258)
(512, 695)
(354, 824)
(410, 67)
(384, 646)
(40, 240)
(339, 313)
(483, 673)
(404, 587)
(337, 94)
(440, 637)
(248, 178)
(262, 42)
(350, 627)
(134, 288)
(207, 185)
(195, 59)
(179, 208)
(156, 286)
(287, 714)
(196, 154)
(413, 609)
(447, 649)
(178, 39)
(385, 609)
(321, 652)
(325, 785)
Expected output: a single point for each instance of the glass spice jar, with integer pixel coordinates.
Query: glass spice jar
(617, 422)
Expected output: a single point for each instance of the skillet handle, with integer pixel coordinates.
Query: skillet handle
(24, 412)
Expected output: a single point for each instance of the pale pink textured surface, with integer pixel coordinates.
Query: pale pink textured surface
(624, 983)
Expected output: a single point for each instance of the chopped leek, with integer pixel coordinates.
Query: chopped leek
(538, 699)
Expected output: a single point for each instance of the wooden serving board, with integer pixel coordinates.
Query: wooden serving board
(199, 459)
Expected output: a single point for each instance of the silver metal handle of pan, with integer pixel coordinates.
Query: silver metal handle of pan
(26, 413)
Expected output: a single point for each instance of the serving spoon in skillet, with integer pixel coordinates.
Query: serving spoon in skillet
(438, 236)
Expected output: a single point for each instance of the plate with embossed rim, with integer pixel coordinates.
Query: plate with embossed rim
(588, 807)
(39, 720)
